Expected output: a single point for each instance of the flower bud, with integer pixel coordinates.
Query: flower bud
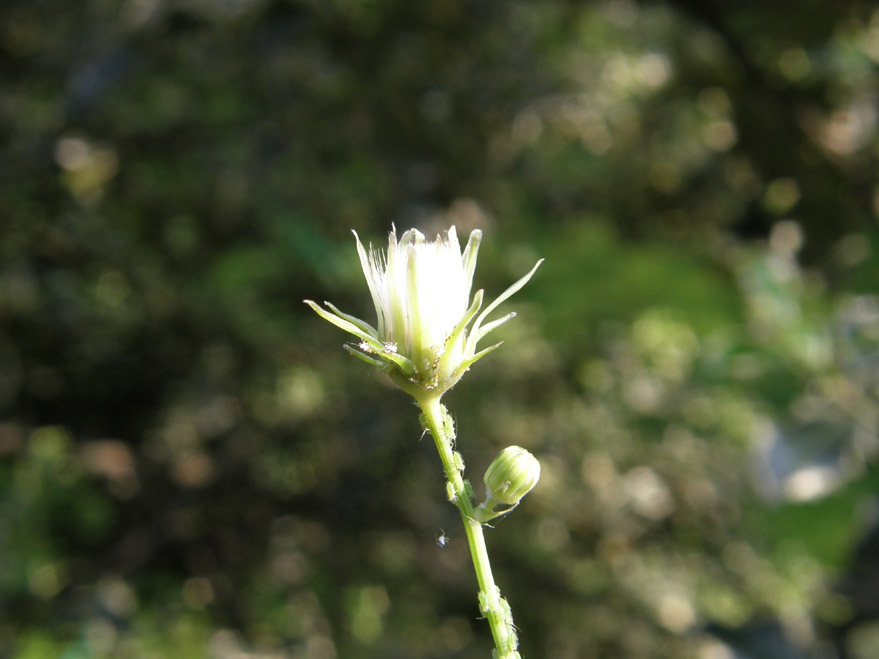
(511, 476)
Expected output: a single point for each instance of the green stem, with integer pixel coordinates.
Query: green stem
(494, 607)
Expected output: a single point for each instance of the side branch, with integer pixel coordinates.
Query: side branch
(437, 421)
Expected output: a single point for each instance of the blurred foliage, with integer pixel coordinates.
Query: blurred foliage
(191, 466)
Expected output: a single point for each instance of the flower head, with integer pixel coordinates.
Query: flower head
(421, 291)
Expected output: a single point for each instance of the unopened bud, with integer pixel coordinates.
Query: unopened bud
(511, 476)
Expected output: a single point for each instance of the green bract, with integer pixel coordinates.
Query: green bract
(421, 290)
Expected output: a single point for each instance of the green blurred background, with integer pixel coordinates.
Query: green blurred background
(191, 466)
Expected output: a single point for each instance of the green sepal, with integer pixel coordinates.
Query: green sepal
(406, 365)
(475, 358)
(354, 320)
(488, 327)
(364, 357)
(470, 253)
(474, 333)
(347, 325)
(460, 327)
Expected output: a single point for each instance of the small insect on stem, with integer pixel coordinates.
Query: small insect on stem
(442, 539)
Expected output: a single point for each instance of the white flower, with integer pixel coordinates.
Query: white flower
(421, 292)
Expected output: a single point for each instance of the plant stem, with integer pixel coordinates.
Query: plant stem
(495, 608)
